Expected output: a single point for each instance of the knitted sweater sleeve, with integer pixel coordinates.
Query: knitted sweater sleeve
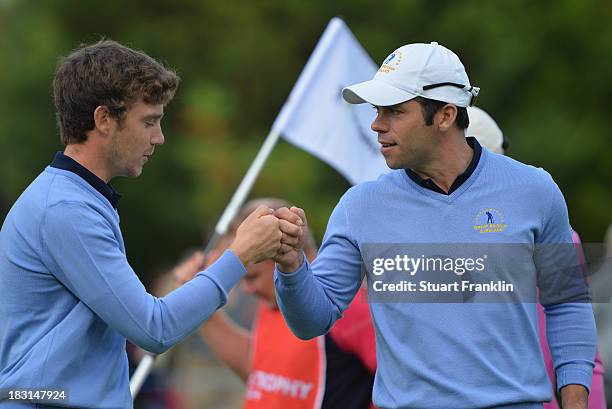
(81, 250)
(570, 325)
(314, 297)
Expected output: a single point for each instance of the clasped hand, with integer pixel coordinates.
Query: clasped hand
(267, 234)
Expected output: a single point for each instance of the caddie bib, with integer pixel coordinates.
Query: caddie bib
(286, 372)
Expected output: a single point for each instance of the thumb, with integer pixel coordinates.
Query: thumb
(261, 210)
(299, 212)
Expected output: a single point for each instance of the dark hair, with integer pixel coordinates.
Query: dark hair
(429, 107)
(107, 74)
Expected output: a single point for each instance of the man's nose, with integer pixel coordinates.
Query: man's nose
(158, 137)
(379, 125)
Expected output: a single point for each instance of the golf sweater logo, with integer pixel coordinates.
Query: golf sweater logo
(490, 220)
(391, 62)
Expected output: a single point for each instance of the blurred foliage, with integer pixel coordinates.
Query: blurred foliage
(543, 68)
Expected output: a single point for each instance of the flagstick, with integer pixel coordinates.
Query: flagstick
(141, 373)
(238, 199)
(240, 195)
(247, 183)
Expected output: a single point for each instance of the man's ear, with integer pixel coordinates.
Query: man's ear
(446, 116)
(103, 121)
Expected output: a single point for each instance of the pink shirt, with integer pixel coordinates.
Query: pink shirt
(597, 397)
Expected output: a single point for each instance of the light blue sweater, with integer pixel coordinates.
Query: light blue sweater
(445, 355)
(70, 299)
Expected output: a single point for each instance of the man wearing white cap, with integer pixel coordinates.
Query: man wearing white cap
(446, 189)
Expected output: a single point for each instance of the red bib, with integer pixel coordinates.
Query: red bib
(286, 372)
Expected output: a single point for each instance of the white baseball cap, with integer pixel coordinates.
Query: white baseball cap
(426, 70)
(485, 130)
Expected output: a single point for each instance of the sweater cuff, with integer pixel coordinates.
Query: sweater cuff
(295, 278)
(574, 374)
(225, 273)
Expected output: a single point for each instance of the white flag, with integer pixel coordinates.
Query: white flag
(316, 118)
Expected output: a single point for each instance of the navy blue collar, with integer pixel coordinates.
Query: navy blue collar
(431, 185)
(61, 161)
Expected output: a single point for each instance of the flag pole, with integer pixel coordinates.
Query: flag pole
(240, 195)
(246, 184)
(315, 61)
(141, 373)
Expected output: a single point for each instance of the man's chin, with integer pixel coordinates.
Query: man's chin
(393, 165)
(134, 172)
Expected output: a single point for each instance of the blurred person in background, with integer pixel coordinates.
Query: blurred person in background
(70, 297)
(281, 371)
(484, 128)
(601, 282)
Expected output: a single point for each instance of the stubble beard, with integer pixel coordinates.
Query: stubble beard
(119, 162)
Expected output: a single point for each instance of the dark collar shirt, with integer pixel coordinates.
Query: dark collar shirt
(431, 185)
(61, 161)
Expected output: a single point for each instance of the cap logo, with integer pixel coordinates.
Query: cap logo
(391, 62)
(389, 58)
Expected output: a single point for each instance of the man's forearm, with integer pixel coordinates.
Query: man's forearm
(570, 329)
(304, 304)
(574, 397)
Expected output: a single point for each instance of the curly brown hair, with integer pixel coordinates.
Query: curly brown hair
(107, 74)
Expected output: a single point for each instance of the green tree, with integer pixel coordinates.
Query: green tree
(542, 67)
